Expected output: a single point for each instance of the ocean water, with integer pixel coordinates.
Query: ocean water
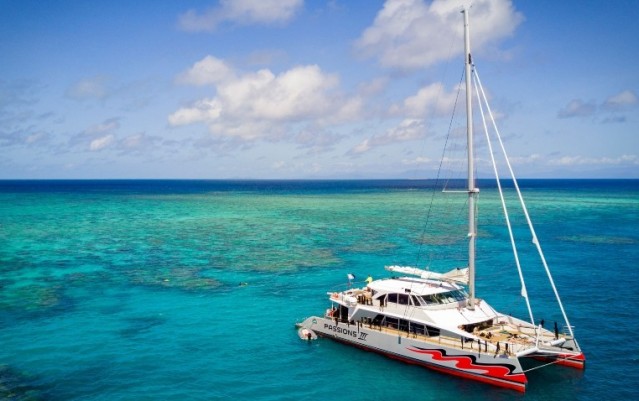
(147, 290)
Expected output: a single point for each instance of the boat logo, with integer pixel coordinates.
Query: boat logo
(345, 331)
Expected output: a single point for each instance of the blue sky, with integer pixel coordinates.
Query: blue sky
(311, 89)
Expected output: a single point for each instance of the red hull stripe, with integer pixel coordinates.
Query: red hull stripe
(469, 364)
(513, 385)
(573, 361)
(513, 381)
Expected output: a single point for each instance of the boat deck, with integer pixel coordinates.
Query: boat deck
(503, 338)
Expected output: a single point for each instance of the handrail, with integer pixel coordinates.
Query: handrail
(487, 346)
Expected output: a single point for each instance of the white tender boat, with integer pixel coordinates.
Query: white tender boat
(435, 320)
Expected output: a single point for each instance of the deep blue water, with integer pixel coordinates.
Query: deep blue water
(158, 289)
(288, 186)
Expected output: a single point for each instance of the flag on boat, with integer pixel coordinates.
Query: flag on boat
(350, 276)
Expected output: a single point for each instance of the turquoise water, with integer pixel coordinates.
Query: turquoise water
(146, 290)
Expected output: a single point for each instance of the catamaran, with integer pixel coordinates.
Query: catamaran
(436, 319)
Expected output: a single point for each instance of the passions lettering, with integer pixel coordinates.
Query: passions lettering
(345, 331)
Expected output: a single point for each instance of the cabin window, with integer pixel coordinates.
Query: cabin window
(401, 299)
(458, 295)
(429, 299)
(421, 329)
(406, 326)
(444, 297)
(432, 331)
(417, 328)
(391, 322)
(398, 324)
(403, 325)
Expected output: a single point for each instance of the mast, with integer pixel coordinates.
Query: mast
(472, 191)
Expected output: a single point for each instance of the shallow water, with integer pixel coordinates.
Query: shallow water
(122, 290)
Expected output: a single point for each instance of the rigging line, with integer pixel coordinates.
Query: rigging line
(450, 124)
(530, 224)
(524, 293)
(544, 365)
(439, 172)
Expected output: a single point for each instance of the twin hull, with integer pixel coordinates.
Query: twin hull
(500, 370)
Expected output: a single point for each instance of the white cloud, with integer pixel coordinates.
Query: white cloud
(240, 11)
(259, 105)
(407, 130)
(201, 111)
(295, 94)
(418, 161)
(96, 137)
(209, 70)
(620, 101)
(431, 100)
(410, 34)
(101, 142)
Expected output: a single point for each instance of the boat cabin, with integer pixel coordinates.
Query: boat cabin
(418, 292)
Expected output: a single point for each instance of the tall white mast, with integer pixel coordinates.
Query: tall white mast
(472, 191)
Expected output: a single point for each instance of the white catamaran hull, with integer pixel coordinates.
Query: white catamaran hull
(472, 363)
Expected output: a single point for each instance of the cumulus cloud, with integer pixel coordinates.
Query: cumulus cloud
(620, 101)
(209, 70)
(411, 34)
(105, 136)
(96, 137)
(101, 142)
(431, 100)
(407, 130)
(240, 11)
(259, 105)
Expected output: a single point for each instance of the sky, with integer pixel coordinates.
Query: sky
(312, 89)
